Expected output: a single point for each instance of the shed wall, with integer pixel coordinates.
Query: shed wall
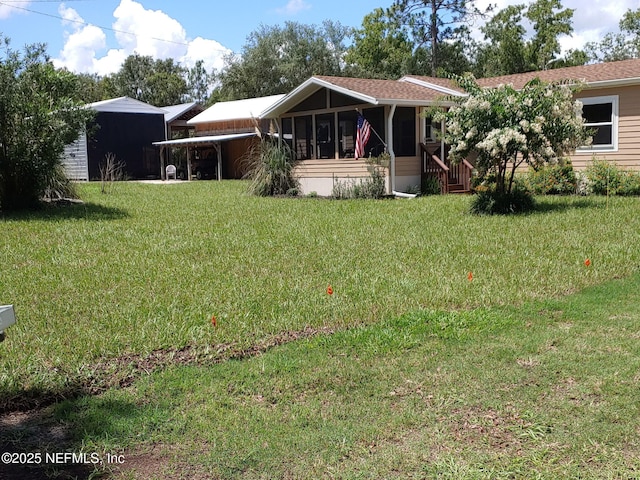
(129, 136)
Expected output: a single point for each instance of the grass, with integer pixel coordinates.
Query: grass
(484, 382)
(547, 390)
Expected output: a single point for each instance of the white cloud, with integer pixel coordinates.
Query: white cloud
(209, 51)
(293, 7)
(137, 30)
(6, 10)
(156, 34)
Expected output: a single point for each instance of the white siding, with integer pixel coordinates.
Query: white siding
(75, 159)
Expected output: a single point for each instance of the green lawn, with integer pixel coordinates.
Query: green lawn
(428, 374)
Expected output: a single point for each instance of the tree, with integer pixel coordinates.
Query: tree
(38, 117)
(504, 128)
(549, 22)
(504, 52)
(157, 82)
(277, 59)
(506, 49)
(381, 48)
(434, 22)
(199, 83)
(619, 46)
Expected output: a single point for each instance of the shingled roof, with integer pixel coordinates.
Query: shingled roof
(416, 89)
(621, 72)
(624, 72)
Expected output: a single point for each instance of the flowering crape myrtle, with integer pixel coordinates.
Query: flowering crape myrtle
(501, 128)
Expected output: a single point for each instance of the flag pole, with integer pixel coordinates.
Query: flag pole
(373, 130)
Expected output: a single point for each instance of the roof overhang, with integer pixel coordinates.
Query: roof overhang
(308, 88)
(621, 82)
(204, 140)
(432, 86)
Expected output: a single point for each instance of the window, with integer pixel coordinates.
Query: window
(429, 130)
(601, 118)
(404, 132)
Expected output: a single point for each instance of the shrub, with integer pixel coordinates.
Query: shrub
(372, 187)
(269, 166)
(604, 177)
(490, 201)
(58, 185)
(629, 184)
(558, 179)
(430, 186)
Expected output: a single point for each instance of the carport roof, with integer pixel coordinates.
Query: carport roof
(204, 140)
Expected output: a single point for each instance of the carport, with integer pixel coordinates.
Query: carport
(214, 141)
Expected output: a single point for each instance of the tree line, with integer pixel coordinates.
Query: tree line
(418, 37)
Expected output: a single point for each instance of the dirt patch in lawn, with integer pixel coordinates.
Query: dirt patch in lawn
(125, 370)
(26, 427)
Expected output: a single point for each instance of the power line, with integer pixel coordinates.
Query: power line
(82, 22)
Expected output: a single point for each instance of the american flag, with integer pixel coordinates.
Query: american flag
(362, 137)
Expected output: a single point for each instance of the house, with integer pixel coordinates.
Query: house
(223, 134)
(124, 127)
(318, 120)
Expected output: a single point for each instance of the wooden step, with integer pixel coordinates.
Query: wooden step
(457, 188)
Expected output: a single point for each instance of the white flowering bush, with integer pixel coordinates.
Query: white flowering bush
(503, 128)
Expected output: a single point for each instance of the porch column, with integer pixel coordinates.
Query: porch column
(219, 153)
(392, 161)
(162, 163)
(188, 164)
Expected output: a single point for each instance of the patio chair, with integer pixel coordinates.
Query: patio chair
(171, 171)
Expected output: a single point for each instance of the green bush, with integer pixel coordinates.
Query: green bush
(58, 185)
(604, 177)
(629, 184)
(269, 166)
(559, 179)
(430, 186)
(489, 201)
(372, 187)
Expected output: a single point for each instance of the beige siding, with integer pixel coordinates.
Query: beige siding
(342, 168)
(407, 166)
(628, 154)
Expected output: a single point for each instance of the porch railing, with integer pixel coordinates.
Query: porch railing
(433, 167)
(450, 177)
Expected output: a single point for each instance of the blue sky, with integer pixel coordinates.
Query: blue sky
(206, 28)
(188, 30)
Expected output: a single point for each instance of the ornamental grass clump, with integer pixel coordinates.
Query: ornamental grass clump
(504, 128)
(270, 167)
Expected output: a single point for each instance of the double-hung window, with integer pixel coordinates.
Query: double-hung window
(601, 118)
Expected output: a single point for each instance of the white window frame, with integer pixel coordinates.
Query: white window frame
(615, 103)
(431, 137)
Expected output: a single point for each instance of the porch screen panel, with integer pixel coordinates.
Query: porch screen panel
(303, 137)
(325, 136)
(375, 116)
(287, 131)
(347, 125)
(404, 132)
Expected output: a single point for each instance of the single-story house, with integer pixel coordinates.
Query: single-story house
(319, 121)
(223, 135)
(124, 127)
